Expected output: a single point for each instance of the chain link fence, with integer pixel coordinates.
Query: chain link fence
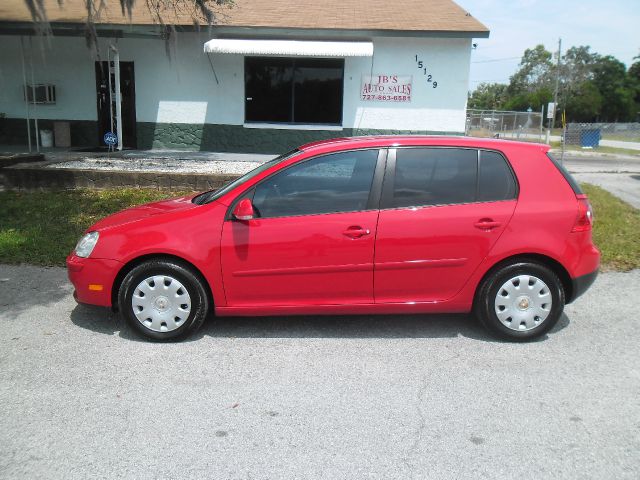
(591, 134)
(526, 126)
(615, 137)
(584, 135)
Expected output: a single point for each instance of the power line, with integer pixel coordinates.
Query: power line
(493, 81)
(497, 60)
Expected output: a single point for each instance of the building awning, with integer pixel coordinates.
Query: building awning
(289, 48)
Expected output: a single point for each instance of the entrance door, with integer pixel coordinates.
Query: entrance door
(128, 105)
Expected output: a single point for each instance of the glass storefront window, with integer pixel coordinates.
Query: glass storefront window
(294, 90)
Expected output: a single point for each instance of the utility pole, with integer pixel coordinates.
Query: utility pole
(555, 92)
(551, 113)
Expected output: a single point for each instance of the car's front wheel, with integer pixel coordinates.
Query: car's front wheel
(163, 300)
(520, 301)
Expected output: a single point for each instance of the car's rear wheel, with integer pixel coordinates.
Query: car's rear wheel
(520, 301)
(163, 300)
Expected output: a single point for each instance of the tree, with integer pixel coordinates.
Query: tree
(200, 11)
(592, 87)
(634, 69)
(577, 64)
(488, 96)
(633, 77)
(534, 99)
(531, 85)
(618, 94)
(585, 102)
(576, 68)
(533, 73)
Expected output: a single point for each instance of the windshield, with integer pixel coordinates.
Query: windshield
(212, 195)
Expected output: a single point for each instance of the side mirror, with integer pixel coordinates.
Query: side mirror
(244, 210)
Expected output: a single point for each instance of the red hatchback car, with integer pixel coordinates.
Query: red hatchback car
(354, 226)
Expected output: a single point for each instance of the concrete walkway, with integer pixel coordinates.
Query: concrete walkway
(65, 154)
(167, 161)
(214, 163)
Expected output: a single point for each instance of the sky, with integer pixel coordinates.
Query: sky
(611, 27)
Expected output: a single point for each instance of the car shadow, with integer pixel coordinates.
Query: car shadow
(105, 321)
(24, 287)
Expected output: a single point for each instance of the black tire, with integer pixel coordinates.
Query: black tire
(485, 306)
(194, 285)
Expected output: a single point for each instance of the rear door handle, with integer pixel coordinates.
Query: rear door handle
(487, 224)
(356, 231)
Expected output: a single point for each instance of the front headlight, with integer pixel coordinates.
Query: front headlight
(85, 245)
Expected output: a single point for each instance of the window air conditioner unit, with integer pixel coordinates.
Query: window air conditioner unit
(44, 93)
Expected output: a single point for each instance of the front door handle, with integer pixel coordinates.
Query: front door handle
(356, 231)
(487, 224)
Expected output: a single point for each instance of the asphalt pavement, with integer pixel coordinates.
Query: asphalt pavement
(388, 397)
(595, 162)
(623, 185)
(619, 174)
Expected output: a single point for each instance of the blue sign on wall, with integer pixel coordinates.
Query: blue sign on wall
(110, 139)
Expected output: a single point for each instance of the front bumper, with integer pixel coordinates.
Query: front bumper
(92, 279)
(581, 284)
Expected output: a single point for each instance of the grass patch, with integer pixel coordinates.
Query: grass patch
(621, 137)
(41, 228)
(616, 231)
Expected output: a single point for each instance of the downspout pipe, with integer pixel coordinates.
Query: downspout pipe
(116, 74)
(26, 95)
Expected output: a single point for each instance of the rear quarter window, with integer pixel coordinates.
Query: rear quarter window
(495, 178)
(565, 173)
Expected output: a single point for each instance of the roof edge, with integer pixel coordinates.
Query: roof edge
(134, 30)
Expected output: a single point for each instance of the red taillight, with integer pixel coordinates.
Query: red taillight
(584, 220)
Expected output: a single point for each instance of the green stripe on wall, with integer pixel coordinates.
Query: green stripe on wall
(197, 137)
(13, 131)
(236, 138)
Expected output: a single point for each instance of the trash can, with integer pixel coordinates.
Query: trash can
(46, 138)
(62, 134)
(590, 138)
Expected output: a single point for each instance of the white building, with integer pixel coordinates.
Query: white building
(270, 75)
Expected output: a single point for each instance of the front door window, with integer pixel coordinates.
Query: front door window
(330, 184)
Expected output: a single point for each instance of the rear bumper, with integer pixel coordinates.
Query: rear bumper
(581, 284)
(92, 279)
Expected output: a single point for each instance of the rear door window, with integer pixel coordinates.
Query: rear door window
(434, 176)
